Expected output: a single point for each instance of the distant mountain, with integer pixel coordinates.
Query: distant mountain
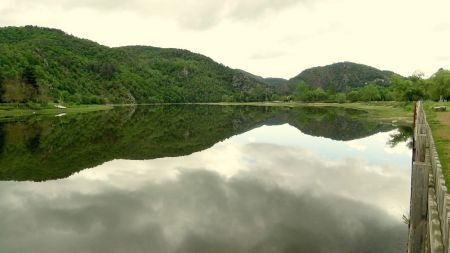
(47, 65)
(342, 76)
(271, 81)
(274, 81)
(43, 64)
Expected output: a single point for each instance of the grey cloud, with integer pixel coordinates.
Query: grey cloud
(443, 58)
(199, 212)
(201, 16)
(189, 14)
(7, 16)
(198, 23)
(207, 14)
(264, 55)
(68, 4)
(293, 39)
(250, 9)
(442, 27)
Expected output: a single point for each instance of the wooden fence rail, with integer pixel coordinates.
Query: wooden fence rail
(430, 203)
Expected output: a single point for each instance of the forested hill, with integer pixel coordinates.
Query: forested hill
(270, 81)
(44, 65)
(343, 76)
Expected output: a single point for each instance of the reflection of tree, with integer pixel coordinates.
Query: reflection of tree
(57, 147)
(404, 134)
(335, 123)
(2, 139)
(33, 143)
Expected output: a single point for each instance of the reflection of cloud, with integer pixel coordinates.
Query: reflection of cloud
(238, 196)
(300, 170)
(356, 145)
(401, 149)
(287, 135)
(297, 169)
(199, 212)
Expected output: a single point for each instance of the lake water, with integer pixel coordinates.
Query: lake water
(204, 179)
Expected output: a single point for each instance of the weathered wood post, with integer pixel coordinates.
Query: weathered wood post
(419, 208)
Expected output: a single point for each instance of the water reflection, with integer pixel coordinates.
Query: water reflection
(265, 190)
(404, 134)
(56, 147)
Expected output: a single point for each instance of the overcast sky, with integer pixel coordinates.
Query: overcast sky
(266, 37)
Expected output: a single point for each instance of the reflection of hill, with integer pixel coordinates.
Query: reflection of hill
(58, 147)
(335, 123)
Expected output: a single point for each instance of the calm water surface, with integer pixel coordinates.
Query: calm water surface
(204, 179)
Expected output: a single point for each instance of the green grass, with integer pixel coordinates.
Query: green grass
(13, 111)
(441, 135)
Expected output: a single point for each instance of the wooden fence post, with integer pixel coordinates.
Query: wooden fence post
(419, 208)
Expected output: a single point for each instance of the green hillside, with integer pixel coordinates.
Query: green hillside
(275, 81)
(41, 65)
(342, 77)
(47, 65)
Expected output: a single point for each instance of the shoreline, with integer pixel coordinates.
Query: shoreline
(15, 111)
(388, 112)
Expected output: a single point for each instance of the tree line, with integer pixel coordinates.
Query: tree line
(411, 88)
(41, 65)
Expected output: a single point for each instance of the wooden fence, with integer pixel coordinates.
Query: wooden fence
(430, 203)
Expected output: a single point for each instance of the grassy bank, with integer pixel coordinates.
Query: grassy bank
(11, 111)
(440, 126)
(389, 112)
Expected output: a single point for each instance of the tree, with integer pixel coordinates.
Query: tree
(441, 85)
(370, 92)
(315, 95)
(29, 76)
(354, 96)
(275, 97)
(2, 91)
(15, 91)
(386, 94)
(340, 97)
(301, 89)
(410, 89)
(320, 95)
